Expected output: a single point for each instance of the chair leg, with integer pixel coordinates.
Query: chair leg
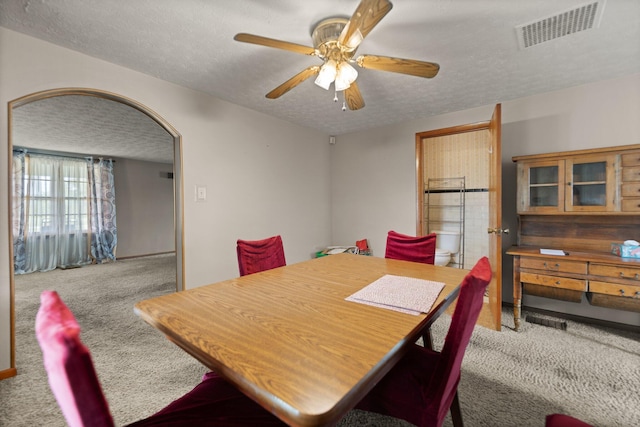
(456, 415)
(427, 339)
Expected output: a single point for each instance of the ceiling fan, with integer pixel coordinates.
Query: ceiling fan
(335, 41)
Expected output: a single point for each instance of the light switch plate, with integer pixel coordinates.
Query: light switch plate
(201, 193)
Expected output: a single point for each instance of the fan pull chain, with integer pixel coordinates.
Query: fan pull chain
(335, 99)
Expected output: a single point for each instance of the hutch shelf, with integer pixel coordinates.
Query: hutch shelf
(578, 202)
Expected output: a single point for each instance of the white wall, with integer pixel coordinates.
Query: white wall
(373, 173)
(144, 208)
(264, 176)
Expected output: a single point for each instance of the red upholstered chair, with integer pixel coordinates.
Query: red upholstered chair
(259, 255)
(408, 248)
(418, 249)
(423, 386)
(561, 420)
(75, 384)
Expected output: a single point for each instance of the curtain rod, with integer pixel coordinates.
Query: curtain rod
(57, 153)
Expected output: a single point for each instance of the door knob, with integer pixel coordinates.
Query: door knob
(497, 230)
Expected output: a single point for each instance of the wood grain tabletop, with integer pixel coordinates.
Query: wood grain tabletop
(288, 339)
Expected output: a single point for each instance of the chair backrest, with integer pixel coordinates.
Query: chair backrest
(72, 376)
(259, 255)
(443, 385)
(409, 248)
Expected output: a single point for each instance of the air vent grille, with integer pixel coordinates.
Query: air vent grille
(578, 19)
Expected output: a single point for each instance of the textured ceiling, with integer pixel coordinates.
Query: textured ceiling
(92, 126)
(190, 42)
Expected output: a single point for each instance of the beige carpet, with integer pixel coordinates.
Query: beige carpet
(508, 379)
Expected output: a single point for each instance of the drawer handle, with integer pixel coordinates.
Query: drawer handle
(556, 265)
(635, 276)
(637, 294)
(621, 291)
(557, 282)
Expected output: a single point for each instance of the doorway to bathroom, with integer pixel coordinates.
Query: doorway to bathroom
(468, 154)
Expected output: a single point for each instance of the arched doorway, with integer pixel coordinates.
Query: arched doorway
(147, 113)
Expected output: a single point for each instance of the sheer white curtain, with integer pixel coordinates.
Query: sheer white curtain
(50, 212)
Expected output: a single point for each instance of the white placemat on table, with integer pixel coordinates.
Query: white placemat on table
(399, 293)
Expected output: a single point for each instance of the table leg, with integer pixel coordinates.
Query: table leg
(517, 292)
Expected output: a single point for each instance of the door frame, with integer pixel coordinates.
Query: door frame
(491, 314)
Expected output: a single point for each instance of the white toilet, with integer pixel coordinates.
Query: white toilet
(447, 245)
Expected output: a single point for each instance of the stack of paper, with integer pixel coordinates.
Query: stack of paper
(399, 293)
(552, 252)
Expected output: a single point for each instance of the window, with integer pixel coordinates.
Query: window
(57, 196)
(54, 224)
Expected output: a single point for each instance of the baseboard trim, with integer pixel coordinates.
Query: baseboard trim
(144, 255)
(8, 373)
(581, 319)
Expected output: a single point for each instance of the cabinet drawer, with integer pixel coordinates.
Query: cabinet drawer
(557, 265)
(631, 190)
(631, 174)
(554, 281)
(631, 205)
(631, 159)
(617, 271)
(615, 289)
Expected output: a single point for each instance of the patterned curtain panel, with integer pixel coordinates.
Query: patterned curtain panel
(104, 236)
(19, 212)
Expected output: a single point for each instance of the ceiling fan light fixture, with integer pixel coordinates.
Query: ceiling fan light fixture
(327, 74)
(346, 75)
(346, 71)
(342, 84)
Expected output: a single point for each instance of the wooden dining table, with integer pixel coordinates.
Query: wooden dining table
(287, 337)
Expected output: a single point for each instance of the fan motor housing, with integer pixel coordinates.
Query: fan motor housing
(327, 30)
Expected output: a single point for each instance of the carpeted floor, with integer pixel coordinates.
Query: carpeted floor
(508, 378)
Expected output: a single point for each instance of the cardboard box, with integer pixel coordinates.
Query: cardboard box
(625, 251)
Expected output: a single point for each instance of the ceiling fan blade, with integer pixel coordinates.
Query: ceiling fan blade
(398, 65)
(353, 97)
(293, 82)
(278, 44)
(367, 15)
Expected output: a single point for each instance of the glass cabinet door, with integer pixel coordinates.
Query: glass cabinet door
(589, 184)
(543, 186)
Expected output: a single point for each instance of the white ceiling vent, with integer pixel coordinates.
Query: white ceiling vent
(580, 18)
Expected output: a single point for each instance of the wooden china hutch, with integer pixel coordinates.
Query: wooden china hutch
(578, 203)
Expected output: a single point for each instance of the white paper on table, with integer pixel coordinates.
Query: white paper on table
(552, 252)
(399, 293)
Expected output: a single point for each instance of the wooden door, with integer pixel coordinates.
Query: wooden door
(495, 230)
(489, 131)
